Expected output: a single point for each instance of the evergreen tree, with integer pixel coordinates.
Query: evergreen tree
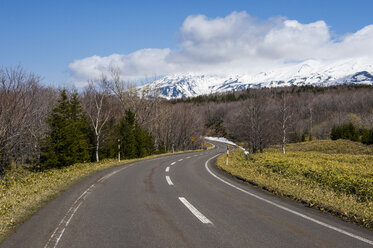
(127, 136)
(135, 142)
(68, 139)
(149, 143)
(140, 141)
(144, 142)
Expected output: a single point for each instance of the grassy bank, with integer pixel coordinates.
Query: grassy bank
(334, 176)
(23, 192)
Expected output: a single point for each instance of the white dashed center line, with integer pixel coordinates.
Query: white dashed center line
(180, 159)
(168, 179)
(194, 211)
(173, 163)
(167, 169)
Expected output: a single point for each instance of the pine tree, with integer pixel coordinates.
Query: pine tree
(127, 136)
(135, 142)
(149, 143)
(140, 138)
(68, 139)
(80, 130)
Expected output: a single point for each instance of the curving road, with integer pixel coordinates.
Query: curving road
(179, 201)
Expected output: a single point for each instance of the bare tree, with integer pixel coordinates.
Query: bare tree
(97, 106)
(286, 113)
(140, 100)
(160, 126)
(253, 121)
(17, 98)
(143, 101)
(185, 123)
(39, 109)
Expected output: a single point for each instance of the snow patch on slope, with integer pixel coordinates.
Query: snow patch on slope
(310, 72)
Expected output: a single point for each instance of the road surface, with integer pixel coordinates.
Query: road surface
(181, 200)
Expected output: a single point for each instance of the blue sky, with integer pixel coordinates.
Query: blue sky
(45, 37)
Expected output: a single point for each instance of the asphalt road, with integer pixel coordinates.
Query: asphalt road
(179, 201)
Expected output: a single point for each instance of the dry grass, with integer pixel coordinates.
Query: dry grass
(335, 176)
(327, 146)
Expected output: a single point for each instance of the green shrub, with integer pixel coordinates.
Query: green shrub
(345, 131)
(367, 137)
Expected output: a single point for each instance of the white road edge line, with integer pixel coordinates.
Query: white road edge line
(213, 146)
(107, 176)
(168, 179)
(173, 163)
(167, 169)
(65, 222)
(287, 209)
(194, 211)
(54, 240)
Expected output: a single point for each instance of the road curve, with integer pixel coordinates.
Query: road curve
(181, 200)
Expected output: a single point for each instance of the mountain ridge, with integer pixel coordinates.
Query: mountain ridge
(311, 72)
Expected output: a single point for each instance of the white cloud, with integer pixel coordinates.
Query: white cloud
(142, 63)
(235, 44)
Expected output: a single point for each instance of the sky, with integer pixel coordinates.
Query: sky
(71, 42)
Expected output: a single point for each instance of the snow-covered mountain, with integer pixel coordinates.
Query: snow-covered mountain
(311, 72)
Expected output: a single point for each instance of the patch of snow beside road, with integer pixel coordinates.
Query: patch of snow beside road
(224, 140)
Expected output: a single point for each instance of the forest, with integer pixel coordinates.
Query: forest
(43, 127)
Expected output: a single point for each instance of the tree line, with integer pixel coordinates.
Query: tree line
(47, 127)
(44, 127)
(271, 116)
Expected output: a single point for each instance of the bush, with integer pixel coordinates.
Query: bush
(345, 131)
(367, 136)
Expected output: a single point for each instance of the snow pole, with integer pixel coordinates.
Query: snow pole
(118, 150)
(227, 153)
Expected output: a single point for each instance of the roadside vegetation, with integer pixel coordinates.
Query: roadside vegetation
(333, 176)
(24, 191)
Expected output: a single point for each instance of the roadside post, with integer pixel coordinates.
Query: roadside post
(227, 152)
(193, 139)
(118, 150)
